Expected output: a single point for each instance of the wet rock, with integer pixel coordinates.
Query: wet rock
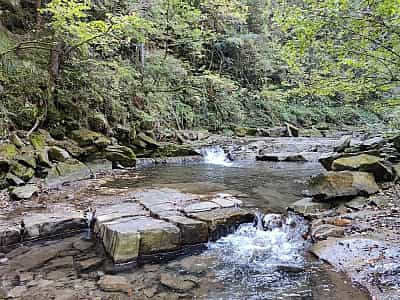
(308, 207)
(113, 283)
(195, 265)
(34, 258)
(82, 245)
(327, 159)
(342, 144)
(173, 150)
(121, 154)
(149, 141)
(118, 211)
(342, 184)
(293, 157)
(58, 154)
(59, 263)
(364, 163)
(24, 192)
(65, 294)
(192, 231)
(323, 231)
(180, 283)
(193, 135)
(221, 221)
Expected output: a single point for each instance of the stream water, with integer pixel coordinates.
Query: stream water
(252, 263)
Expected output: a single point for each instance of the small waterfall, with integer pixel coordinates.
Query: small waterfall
(259, 220)
(89, 215)
(215, 156)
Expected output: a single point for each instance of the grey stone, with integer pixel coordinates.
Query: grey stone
(14, 180)
(323, 231)
(342, 144)
(180, 283)
(200, 206)
(308, 207)
(58, 154)
(24, 192)
(114, 283)
(192, 231)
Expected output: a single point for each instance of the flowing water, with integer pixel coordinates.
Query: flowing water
(266, 260)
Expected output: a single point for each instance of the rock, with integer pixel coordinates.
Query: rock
(221, 221)
(72, 148)
(240, 131)
(180, 283)
(373, 143)
(290, 157)
(21, 171)
(24, 192)
(85, 137)
(307, 206)
(59, 263)
(8, 151)
(16, 140)
(14, 180)
(34, 258)
(327, 159)
(121, 154)
(342, 144)
(65, 294)
(357, 203)
(17, 291)
(43, 158)
(292, 130)
(312, 132)
(125, 239)
(90, 263)
(82, 245)
(39, 225)
(38, 140)
(193, 135)
(276, 132)
(70, 170)
(342, 184)
(114, 283)
(364, 163)
(4, 166)
(150, 142)
(98, 122)
(200, 206)
(57, 154)
(173, 150)
(323, 231)
(123, 134)
(192, 231)
(26, 159)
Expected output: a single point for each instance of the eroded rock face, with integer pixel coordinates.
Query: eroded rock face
(342, 184)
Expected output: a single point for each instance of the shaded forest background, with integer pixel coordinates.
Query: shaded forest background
(213, 64)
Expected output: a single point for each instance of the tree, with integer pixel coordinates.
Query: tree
(344, 47)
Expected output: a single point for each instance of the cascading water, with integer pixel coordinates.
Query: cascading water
(261, 262)
(215, 156)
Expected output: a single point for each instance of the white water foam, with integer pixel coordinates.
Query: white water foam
(215, 156)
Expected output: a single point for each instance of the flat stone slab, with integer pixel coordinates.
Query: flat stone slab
(192, 231)
(150, 197)
(200, 206)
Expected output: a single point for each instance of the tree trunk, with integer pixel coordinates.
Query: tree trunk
(54, 66)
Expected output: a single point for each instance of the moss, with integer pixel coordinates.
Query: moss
(8, 151)
(38, 140)
(23, 172)
(173, 150)
(85, 137)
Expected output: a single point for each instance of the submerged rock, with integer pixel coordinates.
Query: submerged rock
(342, 184)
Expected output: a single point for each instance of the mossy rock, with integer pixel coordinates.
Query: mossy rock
(174, 150)
(240, 131)
(8, 151)
(27, 159)
(150, 142)
(70, 170)
(85, 137)
(121, 154)
(99, 123)
(57, 133)
(72, 147)
(38, 140)
(21, 171)
(43, 158)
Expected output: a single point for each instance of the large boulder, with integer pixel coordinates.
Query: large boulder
(70, 170)
(147, 140)
(174, 150)
(333, 185)
(364, 163)
(38, 140)
(121, 154)
(373, 143)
